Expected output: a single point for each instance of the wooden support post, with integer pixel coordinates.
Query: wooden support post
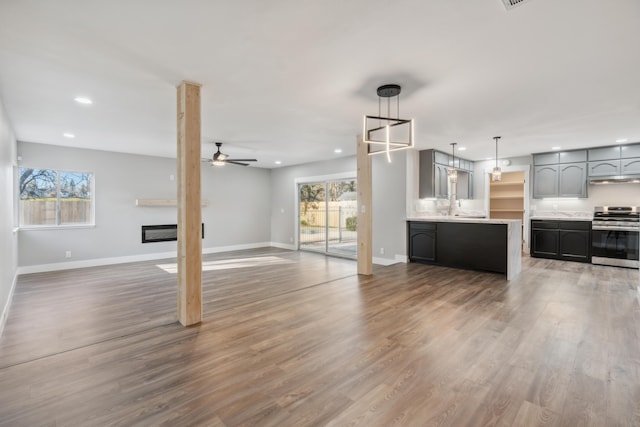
(189, 210)
(364, 209)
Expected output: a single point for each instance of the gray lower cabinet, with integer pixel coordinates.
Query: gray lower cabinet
(572, 180)
(565, 240)
(604, 168)
(422, 241)
(474, 246)
(545, 181)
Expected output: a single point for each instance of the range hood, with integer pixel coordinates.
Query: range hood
(619, 179)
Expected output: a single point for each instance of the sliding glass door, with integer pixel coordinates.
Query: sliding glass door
(328, 216)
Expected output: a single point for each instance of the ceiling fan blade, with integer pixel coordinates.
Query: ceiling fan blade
(241, 160)
(233, 162)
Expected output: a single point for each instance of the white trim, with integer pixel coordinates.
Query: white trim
(41, 268)
(386, 261)
(7, 306)
(296, 201)
(287, 246)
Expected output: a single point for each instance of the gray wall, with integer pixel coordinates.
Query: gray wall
(238, 211)
(389, 207)
(389, 201)
(8, 238)
(283, 190)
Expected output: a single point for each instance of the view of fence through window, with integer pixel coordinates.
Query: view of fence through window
(49, 197)
(328, 217)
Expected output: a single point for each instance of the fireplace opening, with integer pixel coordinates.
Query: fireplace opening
(161, 233)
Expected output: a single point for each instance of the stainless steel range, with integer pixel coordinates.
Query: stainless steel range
(614, 238)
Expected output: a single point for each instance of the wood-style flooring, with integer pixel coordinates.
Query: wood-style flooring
(299, 339)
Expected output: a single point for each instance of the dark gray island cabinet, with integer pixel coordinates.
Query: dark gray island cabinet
(473, 244)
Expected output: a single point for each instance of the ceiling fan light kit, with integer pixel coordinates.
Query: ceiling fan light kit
(386, 134)
(221, 159)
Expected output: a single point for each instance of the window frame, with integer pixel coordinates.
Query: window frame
(58, 225)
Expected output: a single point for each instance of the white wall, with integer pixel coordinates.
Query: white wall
(8, 237)
(238, 214)
(389, 188)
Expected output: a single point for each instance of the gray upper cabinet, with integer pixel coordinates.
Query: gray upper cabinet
(630, 151)
(604, 168)
(440, 158)
(464, 185)
(630, 166)
(434, 178)
(604, 153)
(572, 156)
(441, 182)
(560, 174)
(572, 180)
(545, 181)
(545, 159)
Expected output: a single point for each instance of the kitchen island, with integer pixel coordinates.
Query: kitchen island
(469, 243)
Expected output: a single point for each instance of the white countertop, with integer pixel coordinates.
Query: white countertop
(443, 218)
(562, 218)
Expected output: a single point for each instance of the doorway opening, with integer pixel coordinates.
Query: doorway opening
(327, 217)
(507, 199)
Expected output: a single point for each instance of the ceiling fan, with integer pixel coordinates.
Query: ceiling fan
(220, 159)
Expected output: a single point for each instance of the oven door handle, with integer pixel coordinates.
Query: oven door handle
(614, 228)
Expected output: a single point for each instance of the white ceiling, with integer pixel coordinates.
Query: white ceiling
(290, 80)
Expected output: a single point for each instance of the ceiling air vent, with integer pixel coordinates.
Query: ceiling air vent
(510, 4)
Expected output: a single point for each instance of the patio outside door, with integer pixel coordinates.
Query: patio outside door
(327, 217)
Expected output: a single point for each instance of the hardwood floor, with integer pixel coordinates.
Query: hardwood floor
(297, 339)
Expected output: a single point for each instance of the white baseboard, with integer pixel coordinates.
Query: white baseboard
(41, 268)
(385, 261)
(290, 247)
(5, 309)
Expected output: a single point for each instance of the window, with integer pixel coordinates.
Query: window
(55, 198)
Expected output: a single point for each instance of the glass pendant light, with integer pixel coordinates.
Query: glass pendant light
(496, 175)
(452, 171)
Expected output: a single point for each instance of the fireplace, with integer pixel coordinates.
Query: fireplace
(161, 233)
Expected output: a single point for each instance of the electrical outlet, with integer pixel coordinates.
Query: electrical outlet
(291, 239)
(381, 251)
(67, 254)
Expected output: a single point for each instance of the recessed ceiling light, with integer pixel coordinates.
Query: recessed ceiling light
(462, 148)
(83, 100)
(68, 135)
(489, 158)
(621, 140)
(338, 150)
(556, 148)
(278, 162)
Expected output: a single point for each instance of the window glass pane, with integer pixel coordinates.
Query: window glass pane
(38, 196)
(49, 197)
(75, 198)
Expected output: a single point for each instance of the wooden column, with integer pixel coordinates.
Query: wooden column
(189, 211)
(364, 209)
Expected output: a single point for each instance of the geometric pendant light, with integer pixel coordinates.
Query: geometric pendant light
(496, 175)
(387, 134)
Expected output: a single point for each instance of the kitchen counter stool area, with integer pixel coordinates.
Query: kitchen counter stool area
(466, 243)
